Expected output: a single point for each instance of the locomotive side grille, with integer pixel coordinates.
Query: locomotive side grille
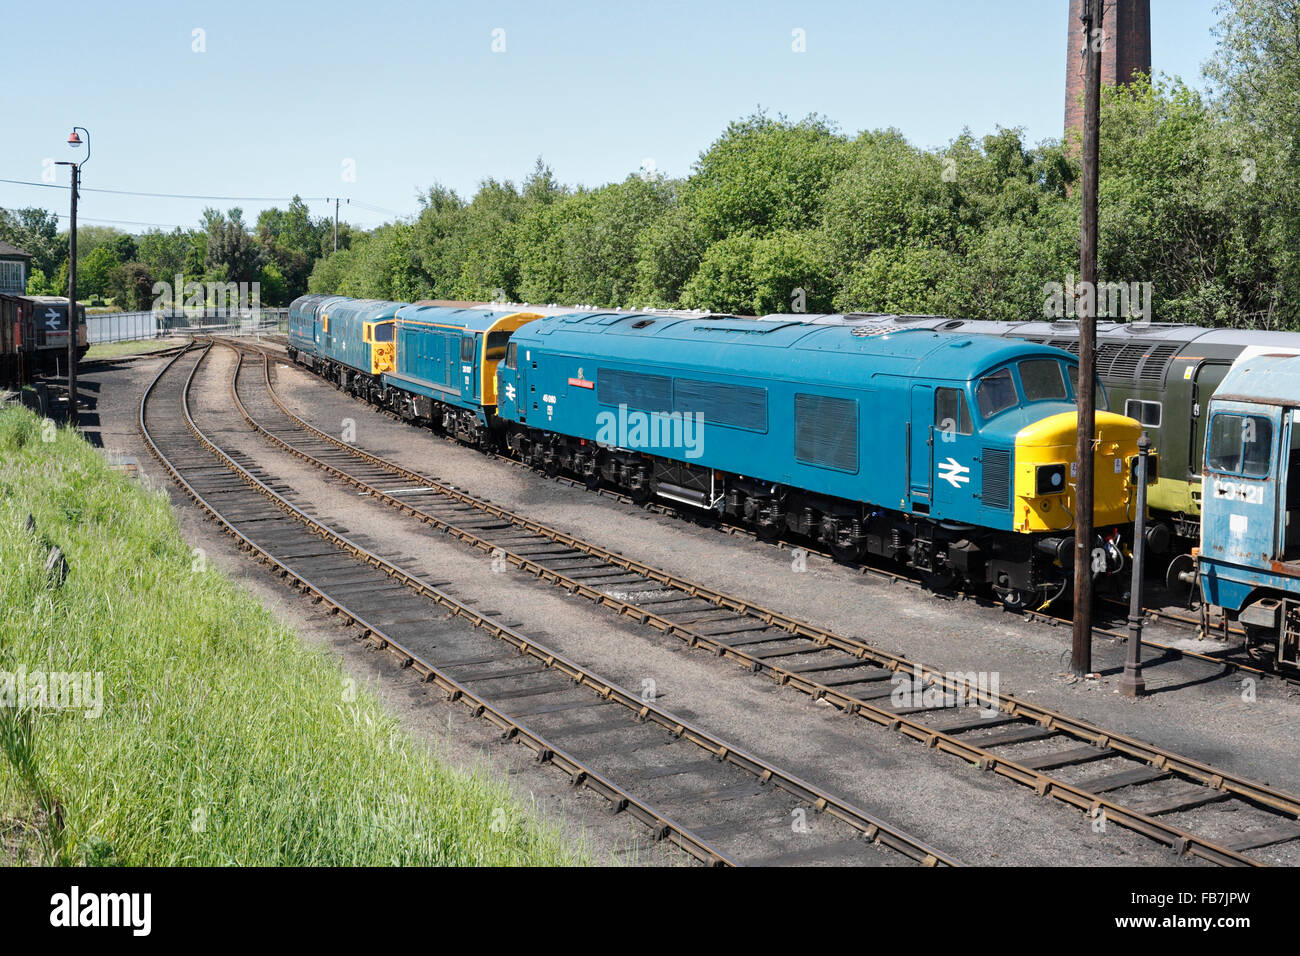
(995, 490)
(1106, 355)
(1157, 363)
(826, 431)
(740, 406)
(1127, 361)
(650, 393)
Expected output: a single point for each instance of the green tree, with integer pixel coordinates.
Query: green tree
(330, 272)
(38, 284)
(1177, 212)
(764, 174)
(94, 272)
(164, 253)
(131, 286)
(584, 247)
(488, 265)
(230, 253)
(436, 239)
(292, 240)
(783, 272)
(35, 231)
(1257, 69)
(273, 286)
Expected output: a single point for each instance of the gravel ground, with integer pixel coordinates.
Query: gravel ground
(979, 818)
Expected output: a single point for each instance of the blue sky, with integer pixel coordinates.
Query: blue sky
(412, 93)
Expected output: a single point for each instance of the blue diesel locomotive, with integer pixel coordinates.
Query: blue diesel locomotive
(1249, 559)
(432, 364)
(953, 454)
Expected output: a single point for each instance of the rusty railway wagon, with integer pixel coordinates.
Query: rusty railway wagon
(34, 337)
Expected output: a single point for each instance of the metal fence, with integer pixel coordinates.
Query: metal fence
(132, 326)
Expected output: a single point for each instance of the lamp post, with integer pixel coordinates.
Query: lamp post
(74, 141)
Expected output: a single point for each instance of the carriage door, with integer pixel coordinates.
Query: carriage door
(523, 359)
(1289, 491)
(1208, 377)
(920, 448)
(1243, 517)
(469, 390)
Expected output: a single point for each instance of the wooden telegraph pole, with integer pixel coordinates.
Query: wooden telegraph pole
(74, 141)
(1081, 647)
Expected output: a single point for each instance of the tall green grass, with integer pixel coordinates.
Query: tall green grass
(223, 739)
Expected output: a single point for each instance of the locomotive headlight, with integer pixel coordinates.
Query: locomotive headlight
(1153, 469)
(1050, 480)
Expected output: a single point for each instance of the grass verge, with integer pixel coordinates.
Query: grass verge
(222, 738)
(111, 350)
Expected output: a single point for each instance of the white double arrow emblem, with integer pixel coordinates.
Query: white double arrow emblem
(51, 318)
(954, 472)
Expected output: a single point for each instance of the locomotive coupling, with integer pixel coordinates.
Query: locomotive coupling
(1059, 548)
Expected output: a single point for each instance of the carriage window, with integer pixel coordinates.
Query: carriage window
(1148, 413)
(950, 411)
(1241, 445)
(996, 393)
(1042, 380)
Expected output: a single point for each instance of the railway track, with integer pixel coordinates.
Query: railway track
(714, 800)
(1175, 800)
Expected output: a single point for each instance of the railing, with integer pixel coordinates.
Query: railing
(132, 326)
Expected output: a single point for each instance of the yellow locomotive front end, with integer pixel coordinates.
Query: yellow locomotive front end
(1047, 472)
(379, 336)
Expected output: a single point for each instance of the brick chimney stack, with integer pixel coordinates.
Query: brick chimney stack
(1127, 50)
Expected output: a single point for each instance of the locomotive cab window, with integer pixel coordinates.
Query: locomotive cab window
(1241, 445)
(1042, 380)
(1099, 399)
(384, 332)
(467, 348)
(996, 393)
(512, 355)
(951, 411)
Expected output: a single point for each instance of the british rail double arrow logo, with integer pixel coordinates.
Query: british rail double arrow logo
(954, 472)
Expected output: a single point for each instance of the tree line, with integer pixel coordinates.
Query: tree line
(278, 252)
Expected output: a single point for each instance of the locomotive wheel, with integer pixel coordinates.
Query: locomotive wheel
(592, 481)
(767, 532)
